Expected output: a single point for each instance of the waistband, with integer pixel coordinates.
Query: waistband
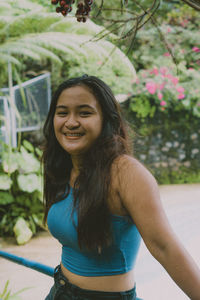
(62, 281)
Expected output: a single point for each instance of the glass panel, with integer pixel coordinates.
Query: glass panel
(32, 101)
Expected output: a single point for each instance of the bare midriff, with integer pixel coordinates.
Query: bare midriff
(113, 283)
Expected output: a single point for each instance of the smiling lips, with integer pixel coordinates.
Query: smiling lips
(73, 136)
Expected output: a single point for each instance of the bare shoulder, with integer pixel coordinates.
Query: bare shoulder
(136, 186)
(130, 171)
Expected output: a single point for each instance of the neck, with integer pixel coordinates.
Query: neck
(75, 171)
(76, 162)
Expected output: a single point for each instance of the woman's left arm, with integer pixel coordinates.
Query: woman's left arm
(140, 196)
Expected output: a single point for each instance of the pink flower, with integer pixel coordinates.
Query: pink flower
(161, 86)
(180, 89)
(174, 80)
(163, 103)
(191, 69)
(160, 95)
(151, 87)
(196, 49)
(181, 96)
(163, 70)
(169, 29)
(170, 76)
(99, 62)
(154, 71)
(166, 54)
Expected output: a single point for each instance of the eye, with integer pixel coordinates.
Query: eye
(85, 113)
(62, 113)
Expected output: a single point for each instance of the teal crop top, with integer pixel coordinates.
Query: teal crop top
(118, 258)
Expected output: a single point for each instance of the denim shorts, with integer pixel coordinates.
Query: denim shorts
(64, 290)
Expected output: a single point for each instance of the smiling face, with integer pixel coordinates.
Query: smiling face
(78, 120)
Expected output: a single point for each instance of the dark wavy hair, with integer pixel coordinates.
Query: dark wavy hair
(91, 188)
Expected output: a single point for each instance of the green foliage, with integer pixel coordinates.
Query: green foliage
(22, 231)
(46, 4)
(21, 209)
(168, 143)
(32, 22)
(183, 15)
(6, 293)
(5, 182)
(28, 183)
(142, 106)
(181, 176)
(164, 109)
(6, 198)
(180, 29)
(15, 7)
(39, 40)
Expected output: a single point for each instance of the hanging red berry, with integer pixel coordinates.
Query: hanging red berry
(83, 8)
(64, 6)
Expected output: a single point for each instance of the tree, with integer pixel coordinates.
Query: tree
(124, 18)
(35, 40)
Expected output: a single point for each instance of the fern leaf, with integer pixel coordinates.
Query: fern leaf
(5, 58)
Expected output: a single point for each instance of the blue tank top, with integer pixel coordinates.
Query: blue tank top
(118, 258)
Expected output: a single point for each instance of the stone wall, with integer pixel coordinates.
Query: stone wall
(168, 146)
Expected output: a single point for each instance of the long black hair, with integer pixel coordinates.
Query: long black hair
(91, 188)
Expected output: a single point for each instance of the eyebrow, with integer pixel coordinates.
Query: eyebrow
(79, 106)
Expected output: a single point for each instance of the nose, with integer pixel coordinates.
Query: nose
(72, 122)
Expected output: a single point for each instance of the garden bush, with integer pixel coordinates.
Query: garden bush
(21, 208)
(165, 114)
(164, 108)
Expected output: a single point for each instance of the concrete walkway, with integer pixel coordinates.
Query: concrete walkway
(182, 206)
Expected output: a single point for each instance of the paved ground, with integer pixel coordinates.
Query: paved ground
(182, 205)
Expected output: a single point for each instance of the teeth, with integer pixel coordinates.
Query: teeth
(73, 134)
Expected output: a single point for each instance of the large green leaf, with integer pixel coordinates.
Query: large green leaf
(5, 182)
(22, 231)
(28, 163)
(28, 146)
(38, 219)
(48, 37)
(28, 183)
(16, 7)
(9, 162)
(6, 198)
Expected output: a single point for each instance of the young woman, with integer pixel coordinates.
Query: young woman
(100, 201)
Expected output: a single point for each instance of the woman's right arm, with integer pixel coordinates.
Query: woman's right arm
(140, 195)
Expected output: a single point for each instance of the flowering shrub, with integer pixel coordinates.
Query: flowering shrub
(158, 89)
(164, 110)
(180, 29)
